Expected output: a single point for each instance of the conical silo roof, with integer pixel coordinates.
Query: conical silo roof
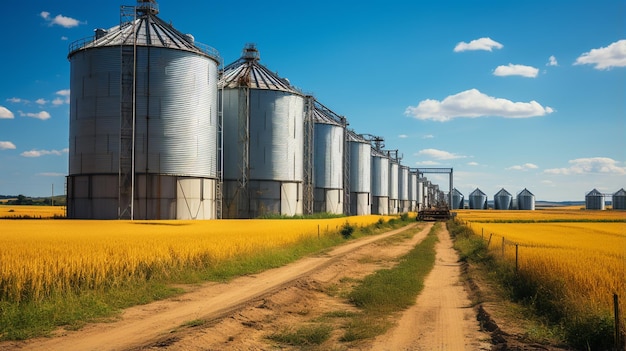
(477, 192)
(594, 192)
(322, 114)
(525, 192)
(620, 192)
(248, 72)
(149, 30)
(503, 192)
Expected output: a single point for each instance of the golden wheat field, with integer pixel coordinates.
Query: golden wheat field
(39, 257)
(582, 251)
(12, 211)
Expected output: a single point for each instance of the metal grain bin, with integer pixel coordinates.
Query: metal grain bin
(502, 200)
(477, 200)
(328, 160)
(526, 200)
(393, 185)
(413, 199)
(263, 140)
(421, 193)
(594, 200)
(360, 175)
(143, 122)
(380, 182)
(457, 200)
(403, 189)
(619, 200)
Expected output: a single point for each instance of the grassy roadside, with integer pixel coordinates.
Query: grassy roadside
(534, 306)
(378, 297)
(72, 309)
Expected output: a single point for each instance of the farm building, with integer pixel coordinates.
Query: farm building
(502, 200)
(477, 200)
(619, 199)
(525, 200)
(263, 140)
(143, 102)
(594, 200)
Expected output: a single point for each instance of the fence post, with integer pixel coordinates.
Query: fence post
(489, 242)
(318, 231)
(618, 342)
(516, 255)
(502, 246)
(482, 233)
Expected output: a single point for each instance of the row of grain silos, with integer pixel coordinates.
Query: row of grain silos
(502, 200)
(158, 131)
(595, 200)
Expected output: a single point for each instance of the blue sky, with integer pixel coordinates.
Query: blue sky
(511, 94)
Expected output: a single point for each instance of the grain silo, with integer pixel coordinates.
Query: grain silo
(328, 160)
(143, 122)
(263, 132)
(457, 200)
(360, 174)
(421, 193)
(502, 200)
(380, 182)
(619, 200)
(413, 199)
(403, 189)
(526, 200)
(594, 200)
(477, 200)
(394, 165)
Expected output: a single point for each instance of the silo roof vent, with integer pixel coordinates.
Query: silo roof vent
(147, 7)
(251, 53)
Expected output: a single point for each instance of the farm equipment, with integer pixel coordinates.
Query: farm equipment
(441, 213)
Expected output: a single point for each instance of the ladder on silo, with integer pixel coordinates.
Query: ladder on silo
(128, 68)
(307, 196)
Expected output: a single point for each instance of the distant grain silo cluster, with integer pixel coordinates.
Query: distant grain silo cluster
(595, 200)
(158, 130)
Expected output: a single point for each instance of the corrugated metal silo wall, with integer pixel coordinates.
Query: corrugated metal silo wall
(360, 178)
(457, 201)
(380, 185)
(594, 202)
(526, 202)
(502, 202)
(413, 191)
(477, 202)
(619, 202)
(276, 152)
(393, 187)
(403, 188)
(176, 134)
(421, 194)
(328, 156)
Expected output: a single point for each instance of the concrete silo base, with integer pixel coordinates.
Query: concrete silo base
(156, 197)
(262, 198)
(404, 206)
(360, 204)
(380, 205)
(393, 206)
(328, 200)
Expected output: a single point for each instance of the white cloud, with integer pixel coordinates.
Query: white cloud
(516, 70)
(439, 154)
(472, 163)
(590, 165)
(7, 145)
(472, 103)
(64, 38)
(403, 136)
(427, 163)
(41, 101)
(42, 115)
(59, 20)
(64, 92)
(608, 57)
(16, 100)
(524, 167)
(39, 153)
(552, 61)
(5, 113)
(486, 44)
(428, 136)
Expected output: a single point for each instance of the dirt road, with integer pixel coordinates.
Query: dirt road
(442, 318)
(240, 314)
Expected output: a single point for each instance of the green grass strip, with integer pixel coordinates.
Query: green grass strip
(391, 290)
